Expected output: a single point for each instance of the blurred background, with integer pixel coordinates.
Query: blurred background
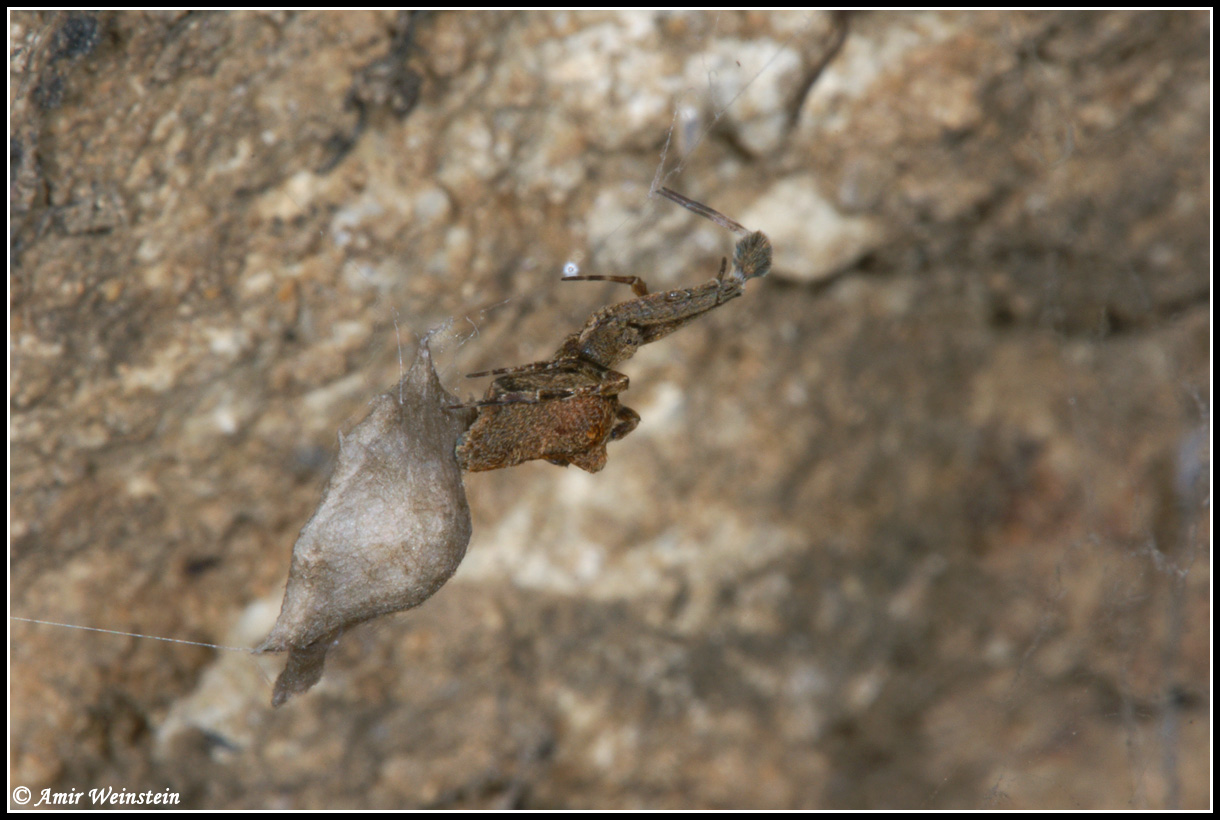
(921, 521)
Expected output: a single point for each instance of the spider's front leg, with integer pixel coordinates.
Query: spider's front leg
(703, 210)
(751, 257)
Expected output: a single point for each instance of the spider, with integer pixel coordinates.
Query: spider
(566, 409)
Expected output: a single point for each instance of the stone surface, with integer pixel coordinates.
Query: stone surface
(930, 532)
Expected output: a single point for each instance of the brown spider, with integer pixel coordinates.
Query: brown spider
(566, 409)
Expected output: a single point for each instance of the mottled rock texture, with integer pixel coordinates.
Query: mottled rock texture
(919, 522)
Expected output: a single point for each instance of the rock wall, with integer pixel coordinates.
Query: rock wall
(921, 521)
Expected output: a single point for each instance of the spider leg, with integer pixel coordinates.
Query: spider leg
(532, 396)
(638, 287)
(521, 368)
(704, 211)
(606, 389)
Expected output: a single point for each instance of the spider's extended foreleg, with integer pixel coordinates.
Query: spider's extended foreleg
(704, 211)
(751, 258)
